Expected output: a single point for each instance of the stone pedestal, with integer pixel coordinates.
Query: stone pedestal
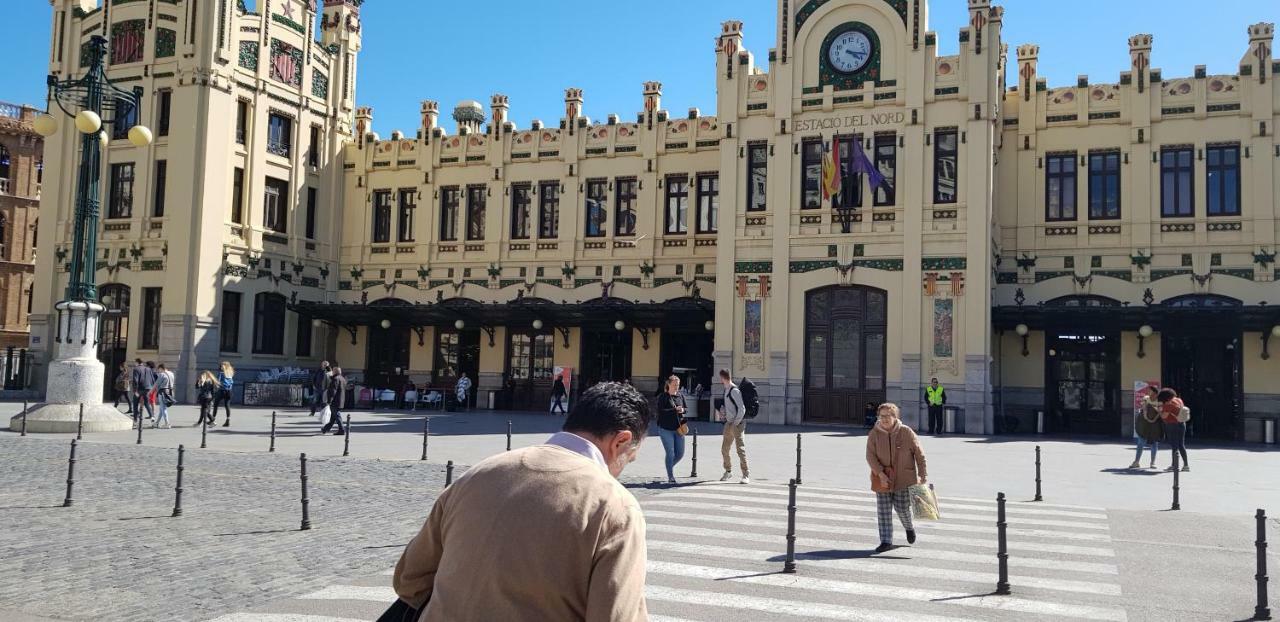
(75, 377)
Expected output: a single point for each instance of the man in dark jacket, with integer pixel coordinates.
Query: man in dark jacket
(320, 388)
(142, 379)
(337, 401)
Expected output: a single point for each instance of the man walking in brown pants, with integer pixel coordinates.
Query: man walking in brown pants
(735, 424)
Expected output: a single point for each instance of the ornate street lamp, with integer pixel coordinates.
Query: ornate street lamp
(75, 376)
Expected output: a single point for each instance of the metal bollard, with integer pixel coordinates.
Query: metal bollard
(204, 431)
(177, 500)
(1038, 496)
(1262, 611)
(1176, 505)
(272, 449)
(789, 566)
(448, 474)
(694, 473)
(139, 428)
(71, 474)
(426, 433)
(508, 435)
(306, 502)
(1002, 551)
(797, 459)
(79, 424)
(346, 438)
(24, 417)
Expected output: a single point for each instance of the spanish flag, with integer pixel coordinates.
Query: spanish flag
(830, 172)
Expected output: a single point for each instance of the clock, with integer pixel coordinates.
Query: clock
(850, 51)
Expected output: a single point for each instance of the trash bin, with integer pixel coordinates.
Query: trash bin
(493, 400)
(1269, 431)
(953, 419)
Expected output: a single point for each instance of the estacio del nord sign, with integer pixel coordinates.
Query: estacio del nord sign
(870, 119)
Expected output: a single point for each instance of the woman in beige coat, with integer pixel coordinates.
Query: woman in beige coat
(897, 463)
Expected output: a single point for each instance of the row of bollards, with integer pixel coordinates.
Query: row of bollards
(797, 459)
(694, 472)
(1261, 611)
(272, 448)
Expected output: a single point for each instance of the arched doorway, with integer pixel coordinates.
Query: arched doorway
(1202, 359)
(113, 349)
(844, 354)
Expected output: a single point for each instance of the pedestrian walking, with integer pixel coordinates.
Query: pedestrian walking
(734, 412)
(936, 395)
(226, 375)
(897, 463)
(163, 396)
(337, 402)
(122, 387)
(558, 393)
(1148, 428)
(461, 389)
(207, 395)
(671, 425)
(564, 491)
(320, 388)
(142, 380)
(1174, 416)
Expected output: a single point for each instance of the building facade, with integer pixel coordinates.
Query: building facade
(21, 173)
(1038, 250)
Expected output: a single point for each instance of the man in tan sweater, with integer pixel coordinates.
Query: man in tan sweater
(544, 533)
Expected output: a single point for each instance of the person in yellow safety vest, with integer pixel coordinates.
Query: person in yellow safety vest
(936, 396)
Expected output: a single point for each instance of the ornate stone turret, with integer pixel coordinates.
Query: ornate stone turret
(364, 123)
(1027, 55)
(469, 115)
(498, 112)
(430, 116)
(572, 107)
(979, 17)
(1259, 55)
(652, 97)
(1140, 59)
(340, 34)
(729, 43)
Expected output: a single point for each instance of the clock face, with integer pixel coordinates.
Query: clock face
(850, 51)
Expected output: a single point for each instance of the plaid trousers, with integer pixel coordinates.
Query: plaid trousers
(886, 503)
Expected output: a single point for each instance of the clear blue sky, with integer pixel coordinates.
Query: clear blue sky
(532, 50)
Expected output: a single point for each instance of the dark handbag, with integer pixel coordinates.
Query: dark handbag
(399, 611)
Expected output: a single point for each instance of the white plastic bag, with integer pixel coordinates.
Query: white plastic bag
(924, 503)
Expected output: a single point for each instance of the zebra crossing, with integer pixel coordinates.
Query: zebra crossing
(715, 552)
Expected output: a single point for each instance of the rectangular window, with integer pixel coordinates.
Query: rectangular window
(268, 323)
(811, 169)
(850, 196)
(945, 165)
(130, 116)
(1104, 185)
(242, 120)
(548, 210)
(475, 212)
(521, 203)
(1060, 187)
(150, 318)
(887, 163)
(279, 135)
(382, 216)
(449, 214)
(162, 176)
(311, 213)
(1222, 176)
(313, 156)
(229, 332)
(625, 205)
(408, 203)
(275, 214)
(120, 204)
(237, 196)
(597, 216)
(164, 108)
(1177, 182)
(757, 176)
(708, 203)
(302, 347)
(677, 220)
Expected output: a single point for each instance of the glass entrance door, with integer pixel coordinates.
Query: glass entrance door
(1084, 384)
(529, 367)
(1203, 365)
(845, 330)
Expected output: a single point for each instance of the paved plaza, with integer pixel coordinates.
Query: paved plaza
(1102, 546)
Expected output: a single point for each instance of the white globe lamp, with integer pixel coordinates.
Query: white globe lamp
(88, 122)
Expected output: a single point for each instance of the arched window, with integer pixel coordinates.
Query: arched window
(268, 323)
(1083, 301)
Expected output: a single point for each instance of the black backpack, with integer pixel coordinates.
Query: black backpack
(750, 397)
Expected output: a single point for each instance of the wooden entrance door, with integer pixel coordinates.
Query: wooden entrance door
(529, 367)
(845, 330)
(1202, 363)
(1084, 383)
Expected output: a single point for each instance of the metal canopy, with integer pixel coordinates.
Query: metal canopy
(1251, 318)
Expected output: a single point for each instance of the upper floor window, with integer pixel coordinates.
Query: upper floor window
(150, 318)
(677, 214)
(1060, 187)
(162, 179)
(1104, 185)
(850, 195)
(229, 330)
(275, 206)
(408, 204)
(475, 212)
(313, 153)
(521, 204)
(945, 165)
(6, 169)
(1177, 183)
(548, 210)
(1222, 177)
(128, 114)
(757, 176)
(625, 205)
(708, 203)
(237, 196)
(311, 213)
(279, 135)
(120, 201)
(449, 214)
(163, 109)
(886, 161)
(811, 168)
(597, 216)
(302, 341)
(382, 216)
(242, 120)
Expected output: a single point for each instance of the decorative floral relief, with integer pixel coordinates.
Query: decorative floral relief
(319, 84)
(249, 55)
(166, 42)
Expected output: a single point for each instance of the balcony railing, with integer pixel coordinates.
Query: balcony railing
(4, 186)
(279, 148)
